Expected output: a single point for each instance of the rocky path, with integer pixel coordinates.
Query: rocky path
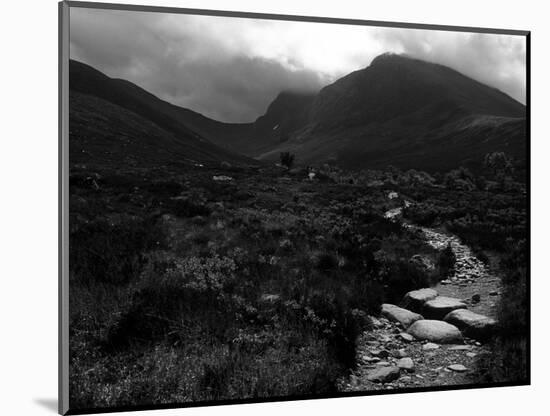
(435, 336)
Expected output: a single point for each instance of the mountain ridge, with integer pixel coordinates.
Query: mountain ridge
(399, 110)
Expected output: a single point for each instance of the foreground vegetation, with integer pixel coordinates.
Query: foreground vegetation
(218, 282)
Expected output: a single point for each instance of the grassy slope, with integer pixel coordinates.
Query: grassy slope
(169, 296)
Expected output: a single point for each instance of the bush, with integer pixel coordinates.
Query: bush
(287, 159)
(185, 208)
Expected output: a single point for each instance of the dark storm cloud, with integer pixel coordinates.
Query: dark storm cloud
(188, 70)
(231, 69)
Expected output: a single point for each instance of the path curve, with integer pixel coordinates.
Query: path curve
(433, 365)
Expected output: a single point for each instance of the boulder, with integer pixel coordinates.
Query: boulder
(416, 299)
(397, 314)
(435, 331)
(439, 307)
(472, 324)
(383, 374)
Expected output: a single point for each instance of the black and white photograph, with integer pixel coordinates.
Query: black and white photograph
(263, 208)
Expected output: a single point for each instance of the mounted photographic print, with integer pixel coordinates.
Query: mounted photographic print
(264, 207)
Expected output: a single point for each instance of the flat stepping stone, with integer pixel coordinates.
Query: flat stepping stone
(435, 331)
(472, 324)
(383, 374)
(397, 314)
(416, 299)
(439, 307)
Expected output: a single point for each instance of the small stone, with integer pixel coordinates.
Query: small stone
(406, 364)
(383, 374)
(494, 293)
(430, 346)
(459, 368)
(406, 337)
(380, 353)
(459, 348)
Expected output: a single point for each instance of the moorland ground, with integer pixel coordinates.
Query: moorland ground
(194, 283)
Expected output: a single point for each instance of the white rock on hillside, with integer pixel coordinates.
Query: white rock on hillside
(397, 314)
(472, 324)
(439, 307)
(415, 299)
(435, 331)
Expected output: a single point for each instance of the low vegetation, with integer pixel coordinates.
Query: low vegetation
(186, 288)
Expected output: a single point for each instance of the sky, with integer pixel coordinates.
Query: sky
(231, 69)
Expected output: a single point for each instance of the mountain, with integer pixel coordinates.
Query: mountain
(398, 111)
(287, 113)
(408, 113)
(115, 122)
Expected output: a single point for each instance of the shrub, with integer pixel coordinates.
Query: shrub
(287, 159)
(186, 208)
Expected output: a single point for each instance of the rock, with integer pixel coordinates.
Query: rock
(459, 348)
(471, 354)
(380, 353)
(383, 364)
(383, 374)
(397, 314)
(406, 364)
(430, 346)
(439, 307)
(416, 299)
(399, 353)
(473, 325)
(494, 293)
(435, 331)
(457, 367)
(406, 337)
(375, 322)
(421, 263)
(269, 298)
(222, 178)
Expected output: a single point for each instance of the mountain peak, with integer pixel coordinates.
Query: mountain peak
(392, 57)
